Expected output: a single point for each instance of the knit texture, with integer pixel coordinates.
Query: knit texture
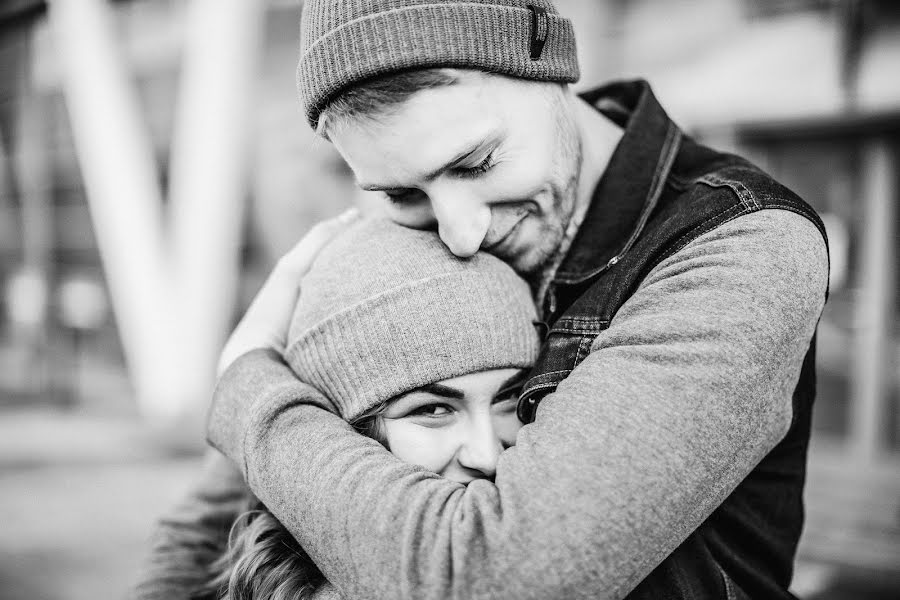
(343, 42)
(385, 309)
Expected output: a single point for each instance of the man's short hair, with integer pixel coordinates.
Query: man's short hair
(378, 95)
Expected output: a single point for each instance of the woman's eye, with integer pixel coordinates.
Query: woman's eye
(511, 393)
(507, 399)
(432, 410)
(506, 404)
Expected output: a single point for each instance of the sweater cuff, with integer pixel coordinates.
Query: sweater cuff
(257, 386)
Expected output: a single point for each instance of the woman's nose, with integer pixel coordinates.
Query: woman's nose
(462, 222)
(481, 447)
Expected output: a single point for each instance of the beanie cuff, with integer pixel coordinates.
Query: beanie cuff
(415, 335)
(485, 37)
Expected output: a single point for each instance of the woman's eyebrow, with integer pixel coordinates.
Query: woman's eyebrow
(439, 389)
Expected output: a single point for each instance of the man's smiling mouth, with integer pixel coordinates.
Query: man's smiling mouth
(495, 244)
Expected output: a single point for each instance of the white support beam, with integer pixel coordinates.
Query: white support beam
(120, 178)
(208, 174)
(172, 281)
(874, 319)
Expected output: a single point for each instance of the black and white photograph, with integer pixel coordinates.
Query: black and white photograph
(449, 299)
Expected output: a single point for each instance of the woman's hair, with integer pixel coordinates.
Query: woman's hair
(263, 561)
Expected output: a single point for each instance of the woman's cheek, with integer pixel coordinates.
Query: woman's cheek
(427, 447)
(507, 428)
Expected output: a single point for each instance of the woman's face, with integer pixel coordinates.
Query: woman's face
(456, 427)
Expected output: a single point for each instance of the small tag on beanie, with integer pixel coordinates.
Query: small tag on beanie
(540, 25)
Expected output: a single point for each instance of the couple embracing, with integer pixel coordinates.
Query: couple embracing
(578, 364)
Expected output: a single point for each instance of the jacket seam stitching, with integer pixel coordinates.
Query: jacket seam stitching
(660, 175)
(794, 209)
(583, 349)
(541, 386)
(698, 230)
(667, 156)
(740, 190)
(579, 331)
(549, 373)
(544, 380)
(729, 589)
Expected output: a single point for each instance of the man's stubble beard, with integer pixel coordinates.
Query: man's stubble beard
(567, 165)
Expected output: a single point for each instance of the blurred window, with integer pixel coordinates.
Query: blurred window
(829, 168)
(776, 8)
(847, 168)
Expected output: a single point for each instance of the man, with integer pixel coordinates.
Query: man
(669, 412)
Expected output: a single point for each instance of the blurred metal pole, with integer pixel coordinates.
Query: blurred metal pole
(32, 168)
(173, 296)
(26, 164)
(120, 177)
(874, 320)
(208, 175)
(852, 20)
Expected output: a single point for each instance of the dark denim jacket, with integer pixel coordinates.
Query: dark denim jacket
(660, 191)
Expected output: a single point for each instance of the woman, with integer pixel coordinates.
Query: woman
(420, 350)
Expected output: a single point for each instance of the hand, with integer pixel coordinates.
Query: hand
(266, 322)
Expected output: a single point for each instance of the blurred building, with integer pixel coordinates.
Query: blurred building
(59, 335)
(809, 89)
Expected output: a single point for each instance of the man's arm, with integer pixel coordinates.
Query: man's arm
(193, 534)
(677, 402)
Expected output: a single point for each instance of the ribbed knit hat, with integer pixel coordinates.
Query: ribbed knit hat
(343, 42)
(385, 309)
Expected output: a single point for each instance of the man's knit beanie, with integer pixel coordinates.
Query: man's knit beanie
(385, 309)
(344, 42)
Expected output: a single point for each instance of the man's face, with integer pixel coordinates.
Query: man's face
(490, 162)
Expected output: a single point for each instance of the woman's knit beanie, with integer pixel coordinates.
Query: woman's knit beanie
(385, 309)
(344, 42)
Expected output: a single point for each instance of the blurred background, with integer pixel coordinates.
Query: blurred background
(154, 163)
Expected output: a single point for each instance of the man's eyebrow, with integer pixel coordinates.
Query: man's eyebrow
(468, 150)
(439, 389)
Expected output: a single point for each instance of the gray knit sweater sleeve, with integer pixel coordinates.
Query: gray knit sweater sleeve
(677, 402)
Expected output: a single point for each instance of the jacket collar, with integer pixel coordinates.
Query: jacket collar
(632, 183)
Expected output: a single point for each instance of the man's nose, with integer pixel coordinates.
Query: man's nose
(481, 448)
(462, 221)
